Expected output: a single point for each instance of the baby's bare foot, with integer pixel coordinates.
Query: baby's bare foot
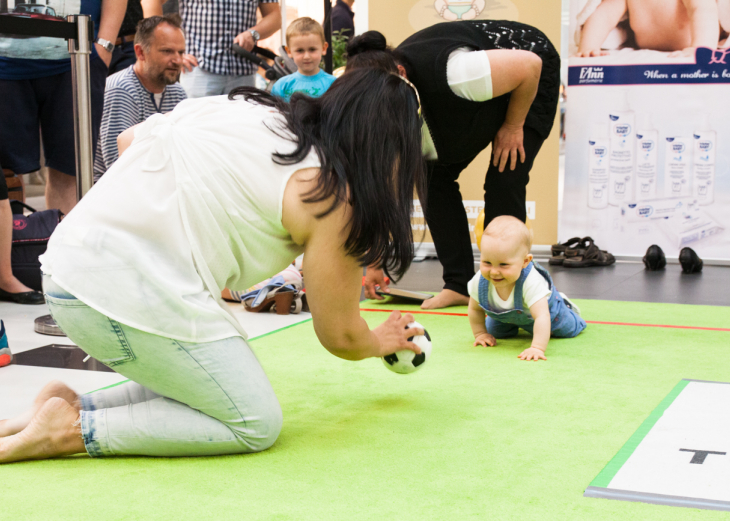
(53, 431)
(51, 390)
(445, 299)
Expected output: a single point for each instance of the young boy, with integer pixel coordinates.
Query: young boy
(661, 25)
(515, 292)
(305, 44)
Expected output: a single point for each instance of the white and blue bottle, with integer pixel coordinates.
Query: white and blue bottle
(621, 154)
(703, 164)
(598, 158)
(647, 139)
(677, 165)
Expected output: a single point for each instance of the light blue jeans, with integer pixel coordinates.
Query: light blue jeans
(185, 399)
(199, 83)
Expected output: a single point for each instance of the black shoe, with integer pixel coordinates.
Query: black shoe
(27, 297)
(654, 259)
(690, 261)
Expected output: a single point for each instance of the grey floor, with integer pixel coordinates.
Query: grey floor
(627, 281)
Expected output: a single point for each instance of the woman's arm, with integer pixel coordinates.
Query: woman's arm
(334, 280)
(517, 72)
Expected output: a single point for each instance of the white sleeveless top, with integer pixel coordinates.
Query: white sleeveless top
(193, 206)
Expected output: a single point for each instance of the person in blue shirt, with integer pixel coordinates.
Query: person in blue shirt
(306, 45)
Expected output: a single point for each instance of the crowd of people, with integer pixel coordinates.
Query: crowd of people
(200, 193)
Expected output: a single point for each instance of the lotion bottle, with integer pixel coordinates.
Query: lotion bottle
(703, 164)
(677, 165)
(623, 142)
(598, 158)
(647, 140)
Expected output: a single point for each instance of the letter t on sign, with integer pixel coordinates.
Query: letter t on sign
(700, 455)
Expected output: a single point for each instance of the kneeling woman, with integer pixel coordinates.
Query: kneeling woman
(223, 193)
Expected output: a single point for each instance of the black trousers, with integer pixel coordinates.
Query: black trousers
(504, 194)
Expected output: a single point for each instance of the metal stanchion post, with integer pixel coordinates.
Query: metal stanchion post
(79, 49)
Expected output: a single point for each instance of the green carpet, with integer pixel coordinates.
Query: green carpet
(475, 434)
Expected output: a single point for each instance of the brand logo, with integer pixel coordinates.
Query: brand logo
(647, 146)
(677, 148)
(622, 130)
(591, 74)
(20, 224)
(600, 151)
(704, 146)
(644, 211)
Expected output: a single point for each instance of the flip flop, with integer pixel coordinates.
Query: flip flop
(559, 249)
(593, 256)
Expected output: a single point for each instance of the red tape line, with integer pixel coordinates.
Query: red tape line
(588, 321)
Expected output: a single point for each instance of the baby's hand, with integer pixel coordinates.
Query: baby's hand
(592, 54)
(484, 340)
(532, 353)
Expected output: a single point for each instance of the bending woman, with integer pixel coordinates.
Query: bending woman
(234, 190)
(481, 82)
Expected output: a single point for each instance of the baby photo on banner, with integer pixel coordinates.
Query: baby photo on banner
(647, 126)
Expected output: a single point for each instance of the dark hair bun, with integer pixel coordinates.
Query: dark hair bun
(368, 41)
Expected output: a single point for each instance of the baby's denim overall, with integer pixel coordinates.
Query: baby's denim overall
(564, 322)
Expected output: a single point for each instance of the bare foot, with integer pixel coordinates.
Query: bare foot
(445, 299)
(52, 389)
(52, 432)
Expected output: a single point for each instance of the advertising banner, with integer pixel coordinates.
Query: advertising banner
(647, 129)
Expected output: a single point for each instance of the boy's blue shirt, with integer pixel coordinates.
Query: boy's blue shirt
(313, 86)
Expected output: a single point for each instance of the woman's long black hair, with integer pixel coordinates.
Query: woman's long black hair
(367, 134)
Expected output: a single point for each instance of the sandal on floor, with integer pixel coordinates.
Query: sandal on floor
(593, 256)
(579, 249)
(559, 249)
(277, 296)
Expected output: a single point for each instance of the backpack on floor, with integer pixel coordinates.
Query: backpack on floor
(30, 238)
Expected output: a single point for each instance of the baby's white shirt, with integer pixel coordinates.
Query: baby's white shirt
(534, 288)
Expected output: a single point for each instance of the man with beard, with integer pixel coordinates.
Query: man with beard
(149, 87)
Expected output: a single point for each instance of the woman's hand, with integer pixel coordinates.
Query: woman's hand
(507, 145)
(393, 335)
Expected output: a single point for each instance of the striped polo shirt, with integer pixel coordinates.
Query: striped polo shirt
(127, 103)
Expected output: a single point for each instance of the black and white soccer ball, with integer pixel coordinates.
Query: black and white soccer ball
(406, 362)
